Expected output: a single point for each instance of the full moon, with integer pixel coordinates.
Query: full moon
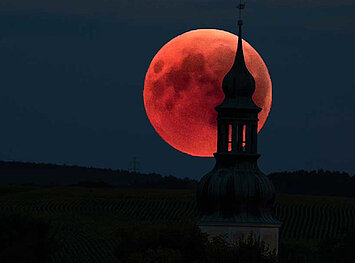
(183, 84)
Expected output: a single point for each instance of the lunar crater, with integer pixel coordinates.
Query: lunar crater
(158, 66)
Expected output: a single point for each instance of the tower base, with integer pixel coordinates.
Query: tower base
(269, 233)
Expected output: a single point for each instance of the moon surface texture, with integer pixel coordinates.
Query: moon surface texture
(183, 84)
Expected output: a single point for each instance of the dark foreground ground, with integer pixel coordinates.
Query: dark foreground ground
(88, 218)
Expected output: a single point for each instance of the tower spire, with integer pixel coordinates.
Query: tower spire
(240, 54)
(241, 6)
(238, 84)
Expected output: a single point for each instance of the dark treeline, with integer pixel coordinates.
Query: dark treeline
(318, 182)
(21, 173)
(302, 182)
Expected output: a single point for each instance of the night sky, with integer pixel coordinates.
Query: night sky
(72, 74)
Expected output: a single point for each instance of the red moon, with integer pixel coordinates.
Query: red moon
(183, 84)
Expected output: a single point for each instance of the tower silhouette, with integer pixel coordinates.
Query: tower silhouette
(236, 198)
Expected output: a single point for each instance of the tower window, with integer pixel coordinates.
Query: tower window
(244, 138)
(229, 137)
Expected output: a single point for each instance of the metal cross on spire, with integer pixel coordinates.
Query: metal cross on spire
(241, 6)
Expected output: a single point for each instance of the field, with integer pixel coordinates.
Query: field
(88, 218)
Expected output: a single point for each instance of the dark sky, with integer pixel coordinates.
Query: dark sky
(72, 74)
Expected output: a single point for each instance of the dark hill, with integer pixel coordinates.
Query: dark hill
(20, 173)
(302, 182)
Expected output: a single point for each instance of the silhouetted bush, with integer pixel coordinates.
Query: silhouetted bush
(26, 240)
(184, 243)
(244, 250)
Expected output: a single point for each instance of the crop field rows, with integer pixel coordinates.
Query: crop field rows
(82, 248)
(300, 220)
(304, 221)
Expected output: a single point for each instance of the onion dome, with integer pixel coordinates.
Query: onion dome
(237, 195)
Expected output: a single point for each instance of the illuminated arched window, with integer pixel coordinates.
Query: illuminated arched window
(244, 142)
(230, 137)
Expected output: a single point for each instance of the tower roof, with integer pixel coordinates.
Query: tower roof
(239, 84)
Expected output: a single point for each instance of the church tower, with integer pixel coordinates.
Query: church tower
(236, 198)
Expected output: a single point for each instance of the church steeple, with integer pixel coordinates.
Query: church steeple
(236, 190)
(236, 197)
